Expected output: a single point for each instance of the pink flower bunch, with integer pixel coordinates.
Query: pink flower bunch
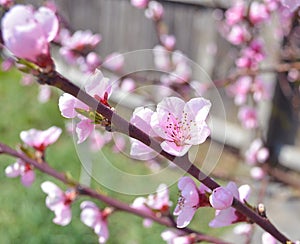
(191, 198)
(177, 124)
(96, 86)
(27, 33)
(154, 11)
(154, 203)
(172, 236)
(40, 139)
(256, 153)
(248, 117)
(78, 49)
(251, 55)
(221, 198)
(59, 202)
(93, 217)
(247, 85)
(22, 169)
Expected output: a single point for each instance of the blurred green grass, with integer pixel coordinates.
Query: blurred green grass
(24, 217)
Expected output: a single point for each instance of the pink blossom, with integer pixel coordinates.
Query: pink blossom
(27, 79)
(6, 3)
(90, 63)
(235, 14)
(141, 118)
(22, 169)
(248, 117)
(174, 236)
(168, 41)
(238, 35)
(267, 238)
(81, 41)
(27, 33)
(98, 140)
(292, 5)
(154, 11)
(181, 124)
(139, 3)
(260, 89)
(40, 139)
(256, 153)
(59, 202)
(257, 173)
(221, 197)
(44, 93)
(159, 201)
(128, 85)
(140, 204)
(93, 217)
(191, 198)
(119, 143)
(115, 61)
(240, 89)
(161, 58)
(7, 64)
(229, 216)
(154, 203)
(258, 13)
(96, 86)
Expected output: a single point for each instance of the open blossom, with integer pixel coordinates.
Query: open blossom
(191, 198)
(256, 153)
(27, 33)
(154, 203)
(229, 215)
(40, 139)
(172, 236)
(59, 202)
(79, 43)
(98, 87)
(93, 217)
(22, 169)
(141, 118)
(221, 197)
(248, 117)
(181, 124)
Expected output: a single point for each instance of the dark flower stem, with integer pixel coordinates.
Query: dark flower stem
(57, 80)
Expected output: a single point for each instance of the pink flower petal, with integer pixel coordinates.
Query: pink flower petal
(173, 149)
(28, 178)
(83, 129)
(49, 22)
(221, 198)
(63, 215)
(13, 170)
(185, 217)
(67, 104)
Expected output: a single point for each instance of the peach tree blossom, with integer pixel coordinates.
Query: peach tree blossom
(27, 32)
(93, 217)
(59, 202)
(70, 107)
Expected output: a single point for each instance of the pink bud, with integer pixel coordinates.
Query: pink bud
(221, 198)
(139, 3)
